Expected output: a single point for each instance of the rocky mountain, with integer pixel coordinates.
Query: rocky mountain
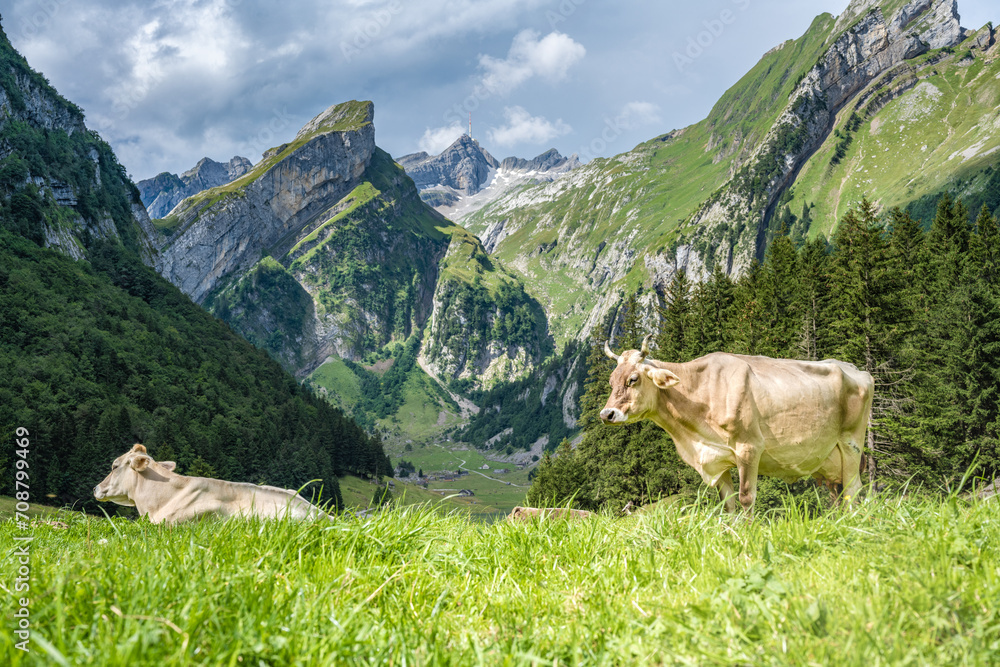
(97, 351)
(324, 251)
(551, 161)
(465, 177)
(818, 122)
(80, 192)
(465, 166)
(165, 190)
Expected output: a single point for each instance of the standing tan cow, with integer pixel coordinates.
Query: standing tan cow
(776, 417)
(153, 488)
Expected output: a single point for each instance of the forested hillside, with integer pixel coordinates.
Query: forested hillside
(918, 310)
(97, 351)
(96, 356)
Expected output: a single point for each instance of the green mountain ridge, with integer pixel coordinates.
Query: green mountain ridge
(713, 193)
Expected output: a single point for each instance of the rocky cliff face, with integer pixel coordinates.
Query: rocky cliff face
(550, 162)
(164, 191)
(440, 177)
(78, 193)
(870, 47)
(705, 195)
(226, 229)
(352, 261)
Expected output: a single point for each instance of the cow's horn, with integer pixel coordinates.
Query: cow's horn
(645, 347)
(607, 351)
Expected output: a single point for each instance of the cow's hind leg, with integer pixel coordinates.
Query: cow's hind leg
(748, 482)
(850, 456)
(727, 492)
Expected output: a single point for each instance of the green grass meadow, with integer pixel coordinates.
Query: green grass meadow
(890, 581)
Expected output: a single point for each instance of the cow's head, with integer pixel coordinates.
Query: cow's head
(119, 486)
(635, 385)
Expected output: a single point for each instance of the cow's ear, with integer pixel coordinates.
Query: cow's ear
(140, 463)
(169, 465)
(661, 377)
(139, 448)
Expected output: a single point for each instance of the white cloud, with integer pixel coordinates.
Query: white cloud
(439, 138)
(549, 57)
(638, 114)
(523, 128)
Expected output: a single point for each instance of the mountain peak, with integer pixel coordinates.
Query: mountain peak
(464, 166)
(164, 191)
(551, 160)
(341, 117)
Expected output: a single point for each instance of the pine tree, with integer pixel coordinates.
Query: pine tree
(779, 297)
(714, 304)
(595, 386)
(560, 480)
(864, 314)
(814, 293)
(939, 343)
(981, 343)
(749, 317)
(674, 341)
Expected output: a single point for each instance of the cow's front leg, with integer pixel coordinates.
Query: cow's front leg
(726, 491)
(747, 468)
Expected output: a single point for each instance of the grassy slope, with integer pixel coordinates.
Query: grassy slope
(664, 181)
(418, 419)
(418, 424)
(891, 582)
(502, 491)
(944, 128)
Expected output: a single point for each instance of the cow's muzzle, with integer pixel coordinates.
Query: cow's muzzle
(612, 416)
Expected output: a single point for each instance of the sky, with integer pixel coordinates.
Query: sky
(168, 82)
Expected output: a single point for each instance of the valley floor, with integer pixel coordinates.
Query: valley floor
(891, 581)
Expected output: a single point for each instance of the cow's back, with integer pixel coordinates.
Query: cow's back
(788, 393)
(795, 411)
(245, 499)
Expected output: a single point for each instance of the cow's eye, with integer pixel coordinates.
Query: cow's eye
(632, 380)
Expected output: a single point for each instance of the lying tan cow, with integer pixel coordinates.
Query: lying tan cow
(776, 417)
(153, 488)
(526, 513)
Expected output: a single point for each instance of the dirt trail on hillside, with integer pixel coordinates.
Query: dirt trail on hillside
(476, 472)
